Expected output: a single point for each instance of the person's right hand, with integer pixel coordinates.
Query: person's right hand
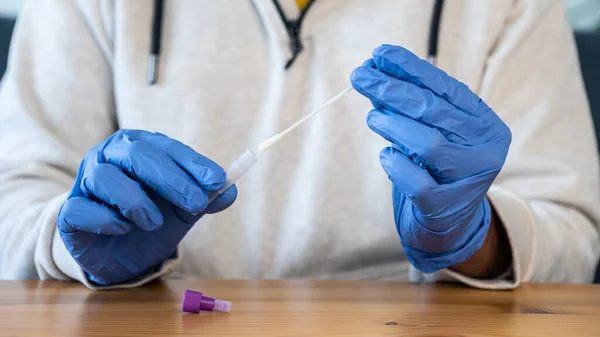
(135, 197)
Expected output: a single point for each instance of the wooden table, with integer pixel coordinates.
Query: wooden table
(297, 308)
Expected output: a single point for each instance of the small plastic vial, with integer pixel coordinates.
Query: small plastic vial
(236, 170)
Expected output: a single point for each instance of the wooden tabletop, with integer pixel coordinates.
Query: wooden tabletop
(299, 308)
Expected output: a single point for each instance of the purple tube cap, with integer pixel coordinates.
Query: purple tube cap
(191, 301)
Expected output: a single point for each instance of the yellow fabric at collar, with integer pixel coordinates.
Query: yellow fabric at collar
(301, 4)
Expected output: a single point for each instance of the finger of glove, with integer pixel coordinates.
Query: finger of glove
(445, 161)
(417, 103)
(371, 64)
(110, 185)
(223, 201)
(413, 180)
(180, 220)
(207, 173)
(155, 169)
(82, 214)
(400, 63)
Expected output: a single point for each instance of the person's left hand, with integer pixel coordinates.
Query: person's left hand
(447, 148)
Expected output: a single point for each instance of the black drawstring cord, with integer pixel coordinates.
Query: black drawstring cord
(155, 43)
(434, 31)
(293, 29)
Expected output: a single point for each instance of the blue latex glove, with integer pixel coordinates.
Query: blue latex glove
(134, 200)
(447, 148)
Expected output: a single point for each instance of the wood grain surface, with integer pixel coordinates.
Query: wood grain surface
(300, 308)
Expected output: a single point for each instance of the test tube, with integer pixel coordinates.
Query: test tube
(235, 171)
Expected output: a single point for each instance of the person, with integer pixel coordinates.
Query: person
(114, 115)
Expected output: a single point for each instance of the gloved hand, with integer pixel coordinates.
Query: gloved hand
(135, 197)
(447, 148)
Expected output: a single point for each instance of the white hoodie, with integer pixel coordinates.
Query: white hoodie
(319, 204)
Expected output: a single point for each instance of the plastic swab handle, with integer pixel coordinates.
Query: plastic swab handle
(264, 146)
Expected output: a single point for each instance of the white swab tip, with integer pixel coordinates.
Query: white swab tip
(264, 146)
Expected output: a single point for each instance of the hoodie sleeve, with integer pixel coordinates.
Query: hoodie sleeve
(547, 195)
(56, 102)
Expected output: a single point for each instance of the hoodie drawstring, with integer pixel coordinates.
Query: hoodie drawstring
(434, 30)
(155, 43)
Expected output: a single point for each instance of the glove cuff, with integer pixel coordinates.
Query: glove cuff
(430, 263)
